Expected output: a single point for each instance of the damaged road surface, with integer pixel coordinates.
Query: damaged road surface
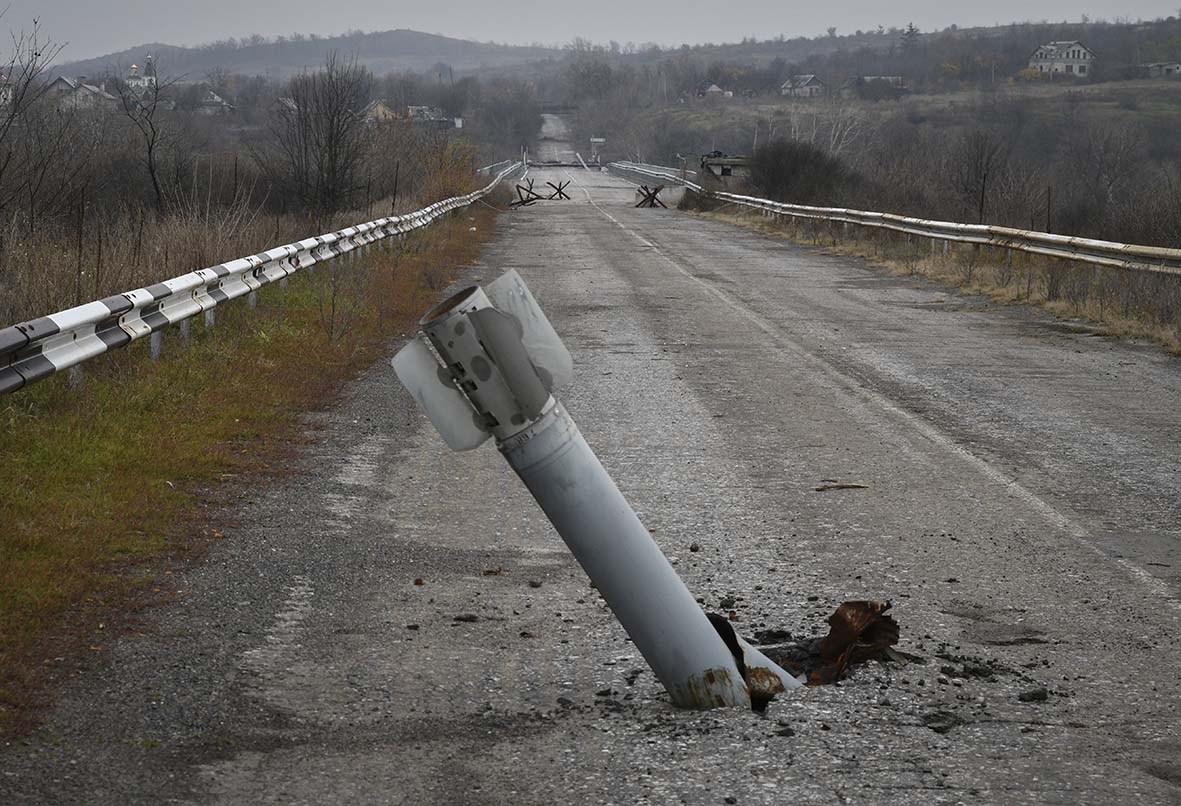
(1012, 490)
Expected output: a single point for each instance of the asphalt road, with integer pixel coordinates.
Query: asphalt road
(554, 144)
(1021, 508)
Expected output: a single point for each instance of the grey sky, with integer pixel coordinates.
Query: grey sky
(92, 28)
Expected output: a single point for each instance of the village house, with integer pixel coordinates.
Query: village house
(211, 103)
(897, 82)
(76, 94)
(432, 117)
(1070, 59)
(805, 86)
(1161, 70)
(708, 89)
(875, 88)
(378, 112)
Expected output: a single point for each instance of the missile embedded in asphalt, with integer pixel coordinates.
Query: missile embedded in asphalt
(486, 365)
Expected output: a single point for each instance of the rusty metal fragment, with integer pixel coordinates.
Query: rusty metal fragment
(702, 691)
(858, 631)
(764, 678)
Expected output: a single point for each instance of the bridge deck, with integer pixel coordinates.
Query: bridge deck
(1021, 507)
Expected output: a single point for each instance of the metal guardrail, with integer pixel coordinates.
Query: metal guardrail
(1156, 259)
(40, 347)
(494, 167)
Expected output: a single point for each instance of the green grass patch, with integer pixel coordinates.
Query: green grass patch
(100, 484)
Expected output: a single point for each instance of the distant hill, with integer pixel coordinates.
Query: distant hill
(872, 51)
(760, 52)
(383, 52)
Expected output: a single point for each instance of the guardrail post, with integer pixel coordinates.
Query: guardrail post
(77, 377)
(157, 344)
(210, 317)
(184, 330)
(946, 247)
(252, 299)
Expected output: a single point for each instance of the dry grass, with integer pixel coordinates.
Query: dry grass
(103, 488)
(52, 269)
(1126, 304)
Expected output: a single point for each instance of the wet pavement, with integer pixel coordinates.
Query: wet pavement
(1021, 508)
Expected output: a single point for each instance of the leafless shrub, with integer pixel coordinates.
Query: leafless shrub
(967, 263)
(1004, 270)
(1051, 281)
(340, 292)
(1076, 282)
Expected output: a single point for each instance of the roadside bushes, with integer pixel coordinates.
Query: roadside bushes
(798, 172)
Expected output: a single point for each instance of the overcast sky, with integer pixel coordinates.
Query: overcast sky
(93, 28)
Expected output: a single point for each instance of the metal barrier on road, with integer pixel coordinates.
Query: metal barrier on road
(1155, 259)
(35, 349)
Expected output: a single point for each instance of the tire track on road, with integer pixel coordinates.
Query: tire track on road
(1141, 576)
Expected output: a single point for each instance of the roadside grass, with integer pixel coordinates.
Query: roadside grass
(106, 487)
(1124, 304)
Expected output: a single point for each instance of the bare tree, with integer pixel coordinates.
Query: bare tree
(20, 88)
(54, 153)
(319, 136)
(844, 125)
(143, 109)
(1106, 155)
(975, 161)
(834, 125)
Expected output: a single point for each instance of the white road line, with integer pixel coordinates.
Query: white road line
(1157, 586)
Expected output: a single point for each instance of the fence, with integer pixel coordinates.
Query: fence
(1155, 259)
(35, 349)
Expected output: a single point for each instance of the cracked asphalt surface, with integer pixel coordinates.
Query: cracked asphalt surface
(1022, 510)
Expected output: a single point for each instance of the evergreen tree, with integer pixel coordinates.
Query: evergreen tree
(910, 37)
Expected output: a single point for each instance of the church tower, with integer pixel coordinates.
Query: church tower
(141, 82)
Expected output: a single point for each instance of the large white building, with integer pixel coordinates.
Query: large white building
(1062, 59)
